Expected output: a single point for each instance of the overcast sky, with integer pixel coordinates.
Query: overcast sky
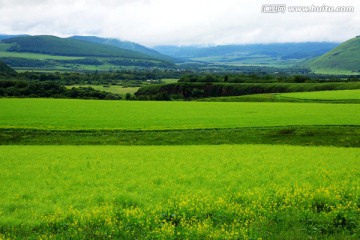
(180, 22)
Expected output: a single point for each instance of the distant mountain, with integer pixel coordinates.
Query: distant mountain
(6, 36)
(68, 47)
(125, 45)
(54, 53)
(343, 58)
(5, 69)
(275, 50)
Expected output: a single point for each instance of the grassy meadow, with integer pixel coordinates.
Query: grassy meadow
(326, 95)
(185, 170)
(176, 192)
(137, 115)
(333, 96)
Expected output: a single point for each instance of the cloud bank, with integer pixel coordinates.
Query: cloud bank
(180, 22)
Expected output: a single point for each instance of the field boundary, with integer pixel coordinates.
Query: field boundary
(339, 136)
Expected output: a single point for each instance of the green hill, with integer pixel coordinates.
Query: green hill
(125, 45)
(68, 47)
(345, 58)
(54, 53)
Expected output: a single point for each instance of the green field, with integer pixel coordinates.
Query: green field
(176, 192)
(136, 115)
(200, 170)
(334, 96)
(325, 95)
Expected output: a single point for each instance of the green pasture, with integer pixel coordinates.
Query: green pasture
(325, 95)
(136, 115)
(333, 96)
(179, 192)
(180, 174)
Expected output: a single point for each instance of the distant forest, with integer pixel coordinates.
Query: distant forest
(191, 84)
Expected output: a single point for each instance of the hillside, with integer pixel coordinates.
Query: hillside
(54, 53)
(125, 45)
(67, 47)
(343, 58)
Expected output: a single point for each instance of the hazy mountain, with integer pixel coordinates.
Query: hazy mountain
(6, 36)
(277, 50)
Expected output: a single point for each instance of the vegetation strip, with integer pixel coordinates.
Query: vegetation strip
(340, 136)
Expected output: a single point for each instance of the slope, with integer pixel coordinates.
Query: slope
(54, 53)
(344, 58)
(68, 47)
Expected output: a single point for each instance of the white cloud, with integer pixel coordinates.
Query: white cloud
(181, 22)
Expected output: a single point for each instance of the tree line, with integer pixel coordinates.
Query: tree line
(36, 89)
(196, 90)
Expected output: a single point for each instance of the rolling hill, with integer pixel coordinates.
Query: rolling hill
(345, 58)
(54, 53)
(68, 47)
(125, 45)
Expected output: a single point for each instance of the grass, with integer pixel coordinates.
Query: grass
(134, 115)
(334, 96)
(177, 192)
(325, 95)
(344, 58)
(340, 136)
(199, 177)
